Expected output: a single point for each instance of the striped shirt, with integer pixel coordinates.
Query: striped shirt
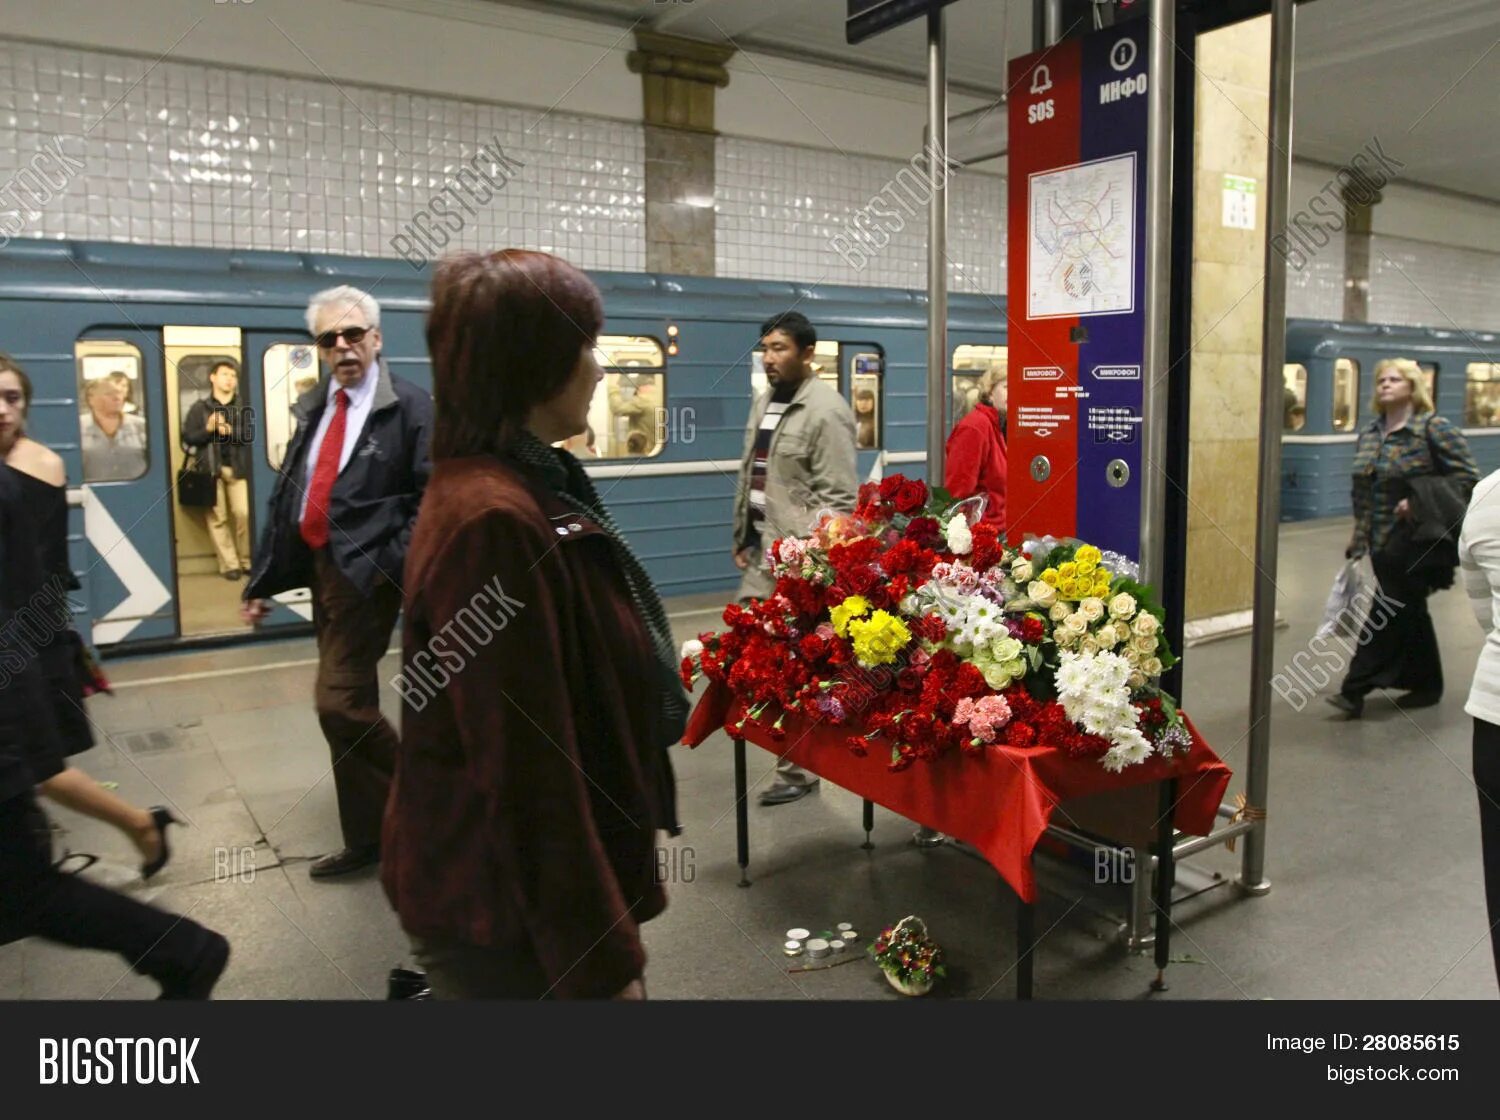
(781, 397)
(1479, 556)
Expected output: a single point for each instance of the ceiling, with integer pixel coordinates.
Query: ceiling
(1419, 76)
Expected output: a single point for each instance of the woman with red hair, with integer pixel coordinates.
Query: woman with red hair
(539, 682)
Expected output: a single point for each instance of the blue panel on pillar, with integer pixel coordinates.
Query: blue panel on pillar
(1113, 138)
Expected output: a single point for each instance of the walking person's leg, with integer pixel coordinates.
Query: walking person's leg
(1487, 781)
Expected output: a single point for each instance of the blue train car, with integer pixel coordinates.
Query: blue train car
(666, 430)
(1330, 381)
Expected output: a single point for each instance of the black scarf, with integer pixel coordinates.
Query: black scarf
(565, 477)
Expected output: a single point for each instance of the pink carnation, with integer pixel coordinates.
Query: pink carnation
(985, 716)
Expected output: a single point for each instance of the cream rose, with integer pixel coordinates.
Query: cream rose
(1076, 625)
(1122, 605)
(1090, 644)
(1021, 571)
(1136, 679)
(1006, 649)
(1042, 594)
(1152, 667)
(1143, 645)
(1058, 612)
(1091, 608)
(1107, 635)
(1145, 624)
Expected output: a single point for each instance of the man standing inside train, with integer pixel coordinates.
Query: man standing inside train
(340, 520)
(799, 460)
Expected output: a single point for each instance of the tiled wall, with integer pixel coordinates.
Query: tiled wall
(180, 154)
(1428, 285)
(780, 207)
(1316, 289)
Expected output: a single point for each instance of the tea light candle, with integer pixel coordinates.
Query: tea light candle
(797, 935)
(844, 927)
(817, 947)
(792, 948)
(849, 936)
(836, 946)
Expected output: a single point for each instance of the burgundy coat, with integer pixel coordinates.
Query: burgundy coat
(527, 791)
(974, 462)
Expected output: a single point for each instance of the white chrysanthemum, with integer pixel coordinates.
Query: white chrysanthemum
(1072, 673)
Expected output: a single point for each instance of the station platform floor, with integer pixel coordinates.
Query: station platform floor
(1372, 849)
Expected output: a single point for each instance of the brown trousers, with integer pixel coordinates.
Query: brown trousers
(353, 633)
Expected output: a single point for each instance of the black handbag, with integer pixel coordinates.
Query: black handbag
(196, 487)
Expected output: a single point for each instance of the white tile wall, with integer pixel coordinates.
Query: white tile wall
(1316, 290)
(180, 154)
(779, 207)
(1422, 284)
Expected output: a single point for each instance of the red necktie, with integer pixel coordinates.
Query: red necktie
(315, 517)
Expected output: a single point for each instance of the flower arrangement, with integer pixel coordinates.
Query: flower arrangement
(910, 959)
(913, 621)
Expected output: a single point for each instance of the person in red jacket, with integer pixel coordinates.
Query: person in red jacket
(975, 461)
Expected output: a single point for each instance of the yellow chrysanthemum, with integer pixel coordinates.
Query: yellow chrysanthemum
(879, 638)
(1049, 577)
(856, 606)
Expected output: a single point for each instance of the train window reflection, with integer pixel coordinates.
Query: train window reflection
(1429, 378)
(1294, 398)
(971, 363)
(1482, 395)
(628, 417)
(288, 370)
(1345, 394)
(866, 370)
(112, 411)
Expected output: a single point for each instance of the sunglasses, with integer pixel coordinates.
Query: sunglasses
(352, 335)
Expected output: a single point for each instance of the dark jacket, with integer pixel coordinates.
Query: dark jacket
(373, 508)
(30, 751)
(528, 788)
(216, 451)
(975, 463)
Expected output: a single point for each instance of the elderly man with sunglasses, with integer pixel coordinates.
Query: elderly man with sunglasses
(340, 520)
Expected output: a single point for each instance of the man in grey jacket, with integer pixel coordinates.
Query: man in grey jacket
(798, 462)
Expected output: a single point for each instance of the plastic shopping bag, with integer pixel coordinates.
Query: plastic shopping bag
(1348, 599)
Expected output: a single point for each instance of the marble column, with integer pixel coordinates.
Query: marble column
(1233, 106)
(1359, 200)
(680, 79)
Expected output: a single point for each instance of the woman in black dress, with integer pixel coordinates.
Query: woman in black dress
(41, 485)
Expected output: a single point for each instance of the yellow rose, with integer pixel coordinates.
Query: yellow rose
(1068, 570)
(1049, 577)
(1088, 554)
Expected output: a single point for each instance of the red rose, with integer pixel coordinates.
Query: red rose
(910, 497)
(862, 580)
(924, 531)
(889, 486)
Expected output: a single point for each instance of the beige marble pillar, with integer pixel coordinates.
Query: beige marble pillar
(1233, 101)
(1359, 223)
(680, 78)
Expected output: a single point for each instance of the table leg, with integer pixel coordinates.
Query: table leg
(1166, 873)
(741, 812)
(1025, 946)
(869, 824)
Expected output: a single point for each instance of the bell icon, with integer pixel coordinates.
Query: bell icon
(1041, 80)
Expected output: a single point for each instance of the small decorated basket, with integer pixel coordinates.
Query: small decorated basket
(910, 959)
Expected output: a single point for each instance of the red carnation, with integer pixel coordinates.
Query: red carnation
(910, 497)
(1032, 629)
(1019, 734)
(862, 580)
(909, 679)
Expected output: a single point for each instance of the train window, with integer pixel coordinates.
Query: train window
(112, 411)
(825, 364)
(628, 415)
(1294, 398)
(866, 370)
(288, 370)
(970, 364)
(1345, 394)
(1482, 395)
(1429, 376)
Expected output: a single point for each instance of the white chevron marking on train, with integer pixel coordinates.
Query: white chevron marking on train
(145, 593)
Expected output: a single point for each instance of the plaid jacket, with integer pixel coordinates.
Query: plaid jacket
(1427, 444)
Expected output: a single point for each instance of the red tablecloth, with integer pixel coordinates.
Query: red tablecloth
(999, 801)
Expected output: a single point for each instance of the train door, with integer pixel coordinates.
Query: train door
(213, 546)
(282, 366)
(127, 485)
(864, 385)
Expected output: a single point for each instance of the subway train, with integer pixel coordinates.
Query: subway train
(666, 426)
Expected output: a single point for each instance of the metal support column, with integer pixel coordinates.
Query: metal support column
(1267, 529)
(1158, 243)
(937, 246)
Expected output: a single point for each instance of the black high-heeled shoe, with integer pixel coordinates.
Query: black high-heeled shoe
(161, 816)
